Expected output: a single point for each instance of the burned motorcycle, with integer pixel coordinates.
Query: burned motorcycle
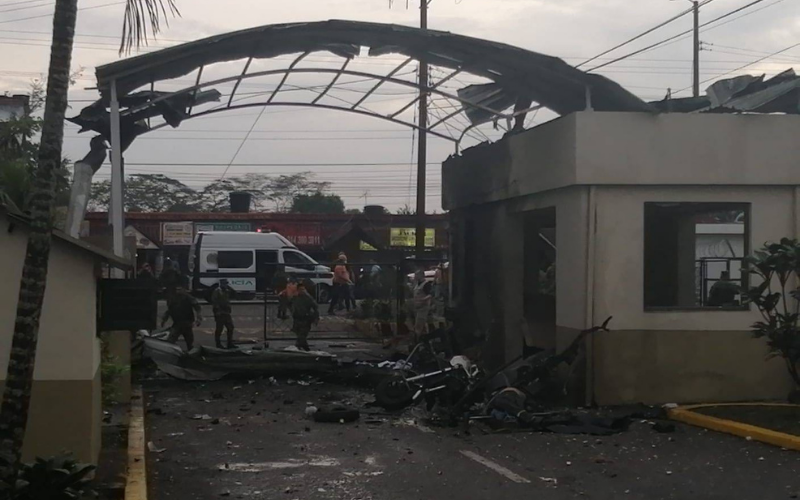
(436, 381)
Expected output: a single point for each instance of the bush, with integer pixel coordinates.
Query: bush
(111, 371)
(777, 297)
(57, 478)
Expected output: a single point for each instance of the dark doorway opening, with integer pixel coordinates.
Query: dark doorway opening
(539, 280)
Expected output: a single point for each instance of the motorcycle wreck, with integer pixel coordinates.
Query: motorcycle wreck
(454, 389)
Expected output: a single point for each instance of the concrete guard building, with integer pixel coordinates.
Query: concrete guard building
(65, 410)
(635, 216)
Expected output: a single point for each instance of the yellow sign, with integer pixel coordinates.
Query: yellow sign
(407, 237)
(366, 247)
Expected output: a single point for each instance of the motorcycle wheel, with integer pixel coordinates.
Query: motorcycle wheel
(394, 393)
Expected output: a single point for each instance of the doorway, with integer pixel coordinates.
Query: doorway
(539, 280)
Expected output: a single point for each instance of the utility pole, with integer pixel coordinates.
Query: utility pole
(422, 145)
(696, 69)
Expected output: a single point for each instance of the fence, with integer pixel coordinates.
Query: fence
(376, 303)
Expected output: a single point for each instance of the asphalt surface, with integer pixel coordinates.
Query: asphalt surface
(256, 442)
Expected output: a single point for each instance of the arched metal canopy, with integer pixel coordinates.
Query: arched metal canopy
(510, 78)
(516, 76)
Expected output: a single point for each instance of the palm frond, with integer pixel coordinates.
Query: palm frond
(143, 18)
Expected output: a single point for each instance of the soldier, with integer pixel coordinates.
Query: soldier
(305, 313)
(221, 303)
(184, 310)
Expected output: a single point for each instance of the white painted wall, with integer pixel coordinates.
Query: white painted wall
(68, 348)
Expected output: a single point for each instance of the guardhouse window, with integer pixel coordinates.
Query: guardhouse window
(693, 254)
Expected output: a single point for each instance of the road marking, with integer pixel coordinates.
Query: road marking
(495, 467)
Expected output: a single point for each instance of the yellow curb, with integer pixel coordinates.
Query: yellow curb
(136, 486)
(686, 415)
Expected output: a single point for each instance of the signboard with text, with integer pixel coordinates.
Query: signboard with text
(302, 234)
(210, 227)
(177, 233)
(407, 237)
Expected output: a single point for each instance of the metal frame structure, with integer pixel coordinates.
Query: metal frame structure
(514, 75)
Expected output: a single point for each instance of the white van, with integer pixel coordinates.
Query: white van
(249, 261)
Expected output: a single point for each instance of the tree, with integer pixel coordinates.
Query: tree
(317, 203)
(19, 380)
(150, 193)
(18, 156)
(284, 188)
(406, 210)
(777, 296)
(216, 196)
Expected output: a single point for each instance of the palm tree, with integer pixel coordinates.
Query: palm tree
(19, 380)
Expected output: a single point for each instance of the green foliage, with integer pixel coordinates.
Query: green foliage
(111, 371)
(285, 188)
(58, 478)
(216, 196)
(317, 203)
(777, 296)
(18, 153)
(159, 193)
(406, 210)
(148, 193)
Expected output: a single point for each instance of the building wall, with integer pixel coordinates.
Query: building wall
(594, 148)
(65, 411)
(678, 355)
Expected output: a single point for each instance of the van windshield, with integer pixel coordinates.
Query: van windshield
(296, 259)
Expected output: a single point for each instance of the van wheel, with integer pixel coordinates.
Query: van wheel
(324, 295)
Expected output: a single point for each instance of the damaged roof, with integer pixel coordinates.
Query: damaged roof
(743, 94)
(518, 73)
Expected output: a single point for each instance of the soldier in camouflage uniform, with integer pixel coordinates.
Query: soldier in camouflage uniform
(221, 302)
(305, 313)
(185, 313)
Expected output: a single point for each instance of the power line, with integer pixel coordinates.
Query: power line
(46, 4)
(51, 15)
(650, 47)
(645, 33)
(748, 65)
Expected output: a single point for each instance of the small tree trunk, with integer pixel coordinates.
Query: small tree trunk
(19, 380)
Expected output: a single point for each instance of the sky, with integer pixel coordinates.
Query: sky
(367, 160)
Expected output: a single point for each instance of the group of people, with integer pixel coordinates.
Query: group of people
(186, 313)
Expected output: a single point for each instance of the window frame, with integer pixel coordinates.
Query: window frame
(307, 266)
(223, 267)
(710, 206)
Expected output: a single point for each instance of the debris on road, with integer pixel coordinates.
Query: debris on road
(151, 446)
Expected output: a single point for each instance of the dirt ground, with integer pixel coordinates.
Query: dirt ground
(250, 439)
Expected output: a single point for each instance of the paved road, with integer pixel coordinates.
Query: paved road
(264, 448)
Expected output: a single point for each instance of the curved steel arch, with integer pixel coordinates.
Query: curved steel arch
(433, 89)
(312, 105)
(518, 73)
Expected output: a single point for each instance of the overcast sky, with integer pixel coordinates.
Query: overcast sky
(571, 29)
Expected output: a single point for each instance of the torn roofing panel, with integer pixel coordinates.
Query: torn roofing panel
(743, 94)
(549, 80)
